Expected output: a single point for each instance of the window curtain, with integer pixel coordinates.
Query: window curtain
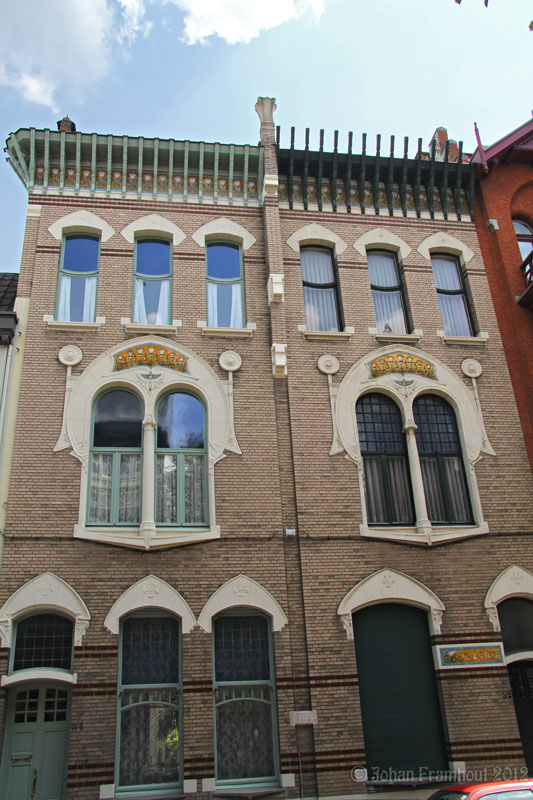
(376, 507)
(432, 490)
(101, 486)
(164, 304)
(454, 315)
(194, 468)
(389, 311)
(212, 305)
(139, 309)
(457, 494)
(382, 270)
(63, 305)
(167, 489)
(89, 299)
(236, 320)
(130, 488)
(320, 309)
(317, 266)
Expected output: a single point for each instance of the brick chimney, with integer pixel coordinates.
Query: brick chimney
(66, 125)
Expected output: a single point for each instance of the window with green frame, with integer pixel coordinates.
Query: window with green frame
(78, 278)
(245, 701)
(225, 286)
(116, 455)
(149, 729)
(181, 471)
(152, 277)
(43, 641)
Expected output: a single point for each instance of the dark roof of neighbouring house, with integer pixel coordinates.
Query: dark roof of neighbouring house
(8, 290)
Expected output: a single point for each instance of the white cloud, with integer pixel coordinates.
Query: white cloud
(240, 21)
(134, 22)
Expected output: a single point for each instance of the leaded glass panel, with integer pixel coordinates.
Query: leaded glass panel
(244, 740)
(241, 649)
(150, 650)
(44, 640)
(149, 744)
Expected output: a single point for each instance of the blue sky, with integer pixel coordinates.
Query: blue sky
(192, 69)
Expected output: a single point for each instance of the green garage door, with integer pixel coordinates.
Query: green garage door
(402, 724)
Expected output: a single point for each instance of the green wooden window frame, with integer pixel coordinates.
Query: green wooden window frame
(164, 694)
(66, 274)
(184, 458)
(255, 690)
(212, 284)
(138, 309)
(117, 454)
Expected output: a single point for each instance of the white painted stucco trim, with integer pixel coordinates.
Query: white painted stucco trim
(383, 239)
(150, 592)
(153, 225)
(242, 591)
(224, 228)
(389, 586)
(316, 234)
(513, 581)
(442, 242)
(81, 222)
(26, 675)
(46, 592)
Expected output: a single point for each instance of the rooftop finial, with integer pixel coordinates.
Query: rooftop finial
(265, 108)
(66, 125)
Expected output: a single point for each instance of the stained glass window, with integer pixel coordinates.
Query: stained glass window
(244, 701)
(44, 640)
(149, 704)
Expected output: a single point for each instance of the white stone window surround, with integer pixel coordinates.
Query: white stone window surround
(98, 377)
(384, 239)
(44, 593)
(442, 242)
(390, 586)
(355, 383)
(242, 591)
(315, 234)
(78, 222)
(513, 581)
(150, 592)
(221, 230)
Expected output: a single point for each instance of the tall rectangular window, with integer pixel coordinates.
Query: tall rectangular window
(225, 286)
(452, 296)
(149, 704)
(78, 276)
(321, 296)
(152, 278)
(387, 292)
(246, 749)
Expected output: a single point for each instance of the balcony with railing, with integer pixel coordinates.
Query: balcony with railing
(526, 298)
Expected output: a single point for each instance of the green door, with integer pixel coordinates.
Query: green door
(34, 758)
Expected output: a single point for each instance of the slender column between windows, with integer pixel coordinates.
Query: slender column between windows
(147, 528)
(423, 525)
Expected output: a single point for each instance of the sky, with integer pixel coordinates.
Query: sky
(193, 69)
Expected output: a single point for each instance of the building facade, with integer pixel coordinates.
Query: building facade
(259, 538)
(504, 199)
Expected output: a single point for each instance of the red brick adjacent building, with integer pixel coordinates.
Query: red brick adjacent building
(504, 219)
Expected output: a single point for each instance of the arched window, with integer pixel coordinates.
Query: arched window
(78, 275)
(244, 695)
(152, 277)
(181, 461)
(149, 703)
(115, 469)
(524, 235)
(321, 294)
(45, 641)
(382, 441)
(441, 461)
(387, 292)
(225, 286)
